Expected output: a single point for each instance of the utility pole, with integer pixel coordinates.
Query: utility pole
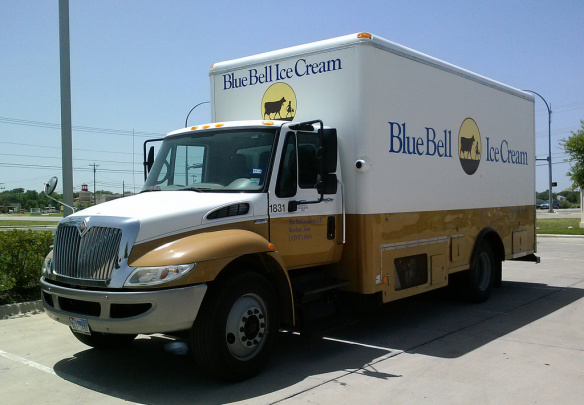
(94, 169)
(66, 129)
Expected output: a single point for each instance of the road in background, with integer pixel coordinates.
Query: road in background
(44, 218)
(559, 213)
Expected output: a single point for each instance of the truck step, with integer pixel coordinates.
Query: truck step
(308, 287)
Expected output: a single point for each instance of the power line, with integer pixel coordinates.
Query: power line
(58, 158)
(76, 169)
(50, 125)
(58, 147)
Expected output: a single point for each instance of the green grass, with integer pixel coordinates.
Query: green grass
(9, 222)
(559, 226)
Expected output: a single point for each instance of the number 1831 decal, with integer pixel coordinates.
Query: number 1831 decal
(275, 208)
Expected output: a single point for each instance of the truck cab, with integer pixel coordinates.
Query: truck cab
(226, 211)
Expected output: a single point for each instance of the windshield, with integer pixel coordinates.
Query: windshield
(218, 161)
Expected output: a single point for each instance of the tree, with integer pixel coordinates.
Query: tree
(574, 147)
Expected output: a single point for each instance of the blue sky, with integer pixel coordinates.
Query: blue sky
(138, 67)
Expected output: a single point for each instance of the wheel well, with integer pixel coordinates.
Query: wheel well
(269, 268)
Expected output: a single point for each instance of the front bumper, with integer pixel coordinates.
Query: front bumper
(125, 312)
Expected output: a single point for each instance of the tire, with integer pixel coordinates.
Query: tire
(105, 340)
(236, 328)
(480, 278)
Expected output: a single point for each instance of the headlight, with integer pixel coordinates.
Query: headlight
(148, 276)
(47, 266)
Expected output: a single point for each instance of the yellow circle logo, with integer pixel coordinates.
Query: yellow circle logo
(279, 103)
(469, 146)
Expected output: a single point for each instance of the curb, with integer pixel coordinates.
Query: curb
(549, 235)
(21, 309)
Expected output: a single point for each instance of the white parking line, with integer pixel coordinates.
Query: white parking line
(26, 362)
(69, 377)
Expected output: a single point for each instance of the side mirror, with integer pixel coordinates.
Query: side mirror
(150, 160)
(327, 184)
(51, 185)
(327, 153)
(49, 189)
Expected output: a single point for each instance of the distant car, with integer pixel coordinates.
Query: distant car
(546, 205)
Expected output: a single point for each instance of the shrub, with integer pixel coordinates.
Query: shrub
(21, 257)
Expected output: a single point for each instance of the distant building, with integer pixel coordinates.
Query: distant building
(101, 198)
(85, 196)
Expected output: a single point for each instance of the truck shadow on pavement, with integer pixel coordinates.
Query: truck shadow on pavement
(159, 370)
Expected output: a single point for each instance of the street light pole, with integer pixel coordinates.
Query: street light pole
(187, 120)
(549, 158)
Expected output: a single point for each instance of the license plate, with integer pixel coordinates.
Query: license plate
(79, 325)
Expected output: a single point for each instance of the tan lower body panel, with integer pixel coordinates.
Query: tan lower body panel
(407, 253)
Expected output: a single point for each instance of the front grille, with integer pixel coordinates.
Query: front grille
(92, 256)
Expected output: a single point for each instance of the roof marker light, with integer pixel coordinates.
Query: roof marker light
(206, 126)
(271, 246)
(219, 125)
(364, 35)
(193, 128)
(267, 123)
(212, 66)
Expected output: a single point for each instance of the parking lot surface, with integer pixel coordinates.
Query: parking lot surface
(525, 345)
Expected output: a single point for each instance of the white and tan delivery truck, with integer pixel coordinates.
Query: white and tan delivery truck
(352, 164)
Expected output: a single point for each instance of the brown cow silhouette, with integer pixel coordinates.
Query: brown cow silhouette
(273, 107)
(466, 146)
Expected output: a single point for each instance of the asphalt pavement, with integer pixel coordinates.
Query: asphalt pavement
(525, 345)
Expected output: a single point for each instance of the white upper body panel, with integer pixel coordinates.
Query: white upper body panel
(164, 213)
(433, 136)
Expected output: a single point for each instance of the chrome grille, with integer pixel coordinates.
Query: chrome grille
(92, 256)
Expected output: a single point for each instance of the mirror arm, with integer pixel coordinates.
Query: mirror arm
(60, 202)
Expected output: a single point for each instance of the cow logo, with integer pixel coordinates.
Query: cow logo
(279, 103)
(469, 146)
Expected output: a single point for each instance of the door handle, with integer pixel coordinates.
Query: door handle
(330, 228)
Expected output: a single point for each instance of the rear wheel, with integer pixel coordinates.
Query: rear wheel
(480, 278)
(104, 340)
(236, 328)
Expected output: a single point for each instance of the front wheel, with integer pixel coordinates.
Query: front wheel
(236, 328)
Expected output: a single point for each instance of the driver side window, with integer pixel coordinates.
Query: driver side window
(288, 173)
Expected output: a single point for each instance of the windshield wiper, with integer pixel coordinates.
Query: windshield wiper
(197, 189)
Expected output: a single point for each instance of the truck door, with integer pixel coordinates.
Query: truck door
(309, 235)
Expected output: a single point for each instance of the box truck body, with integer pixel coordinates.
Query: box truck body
(350, 164)
(444, 152)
